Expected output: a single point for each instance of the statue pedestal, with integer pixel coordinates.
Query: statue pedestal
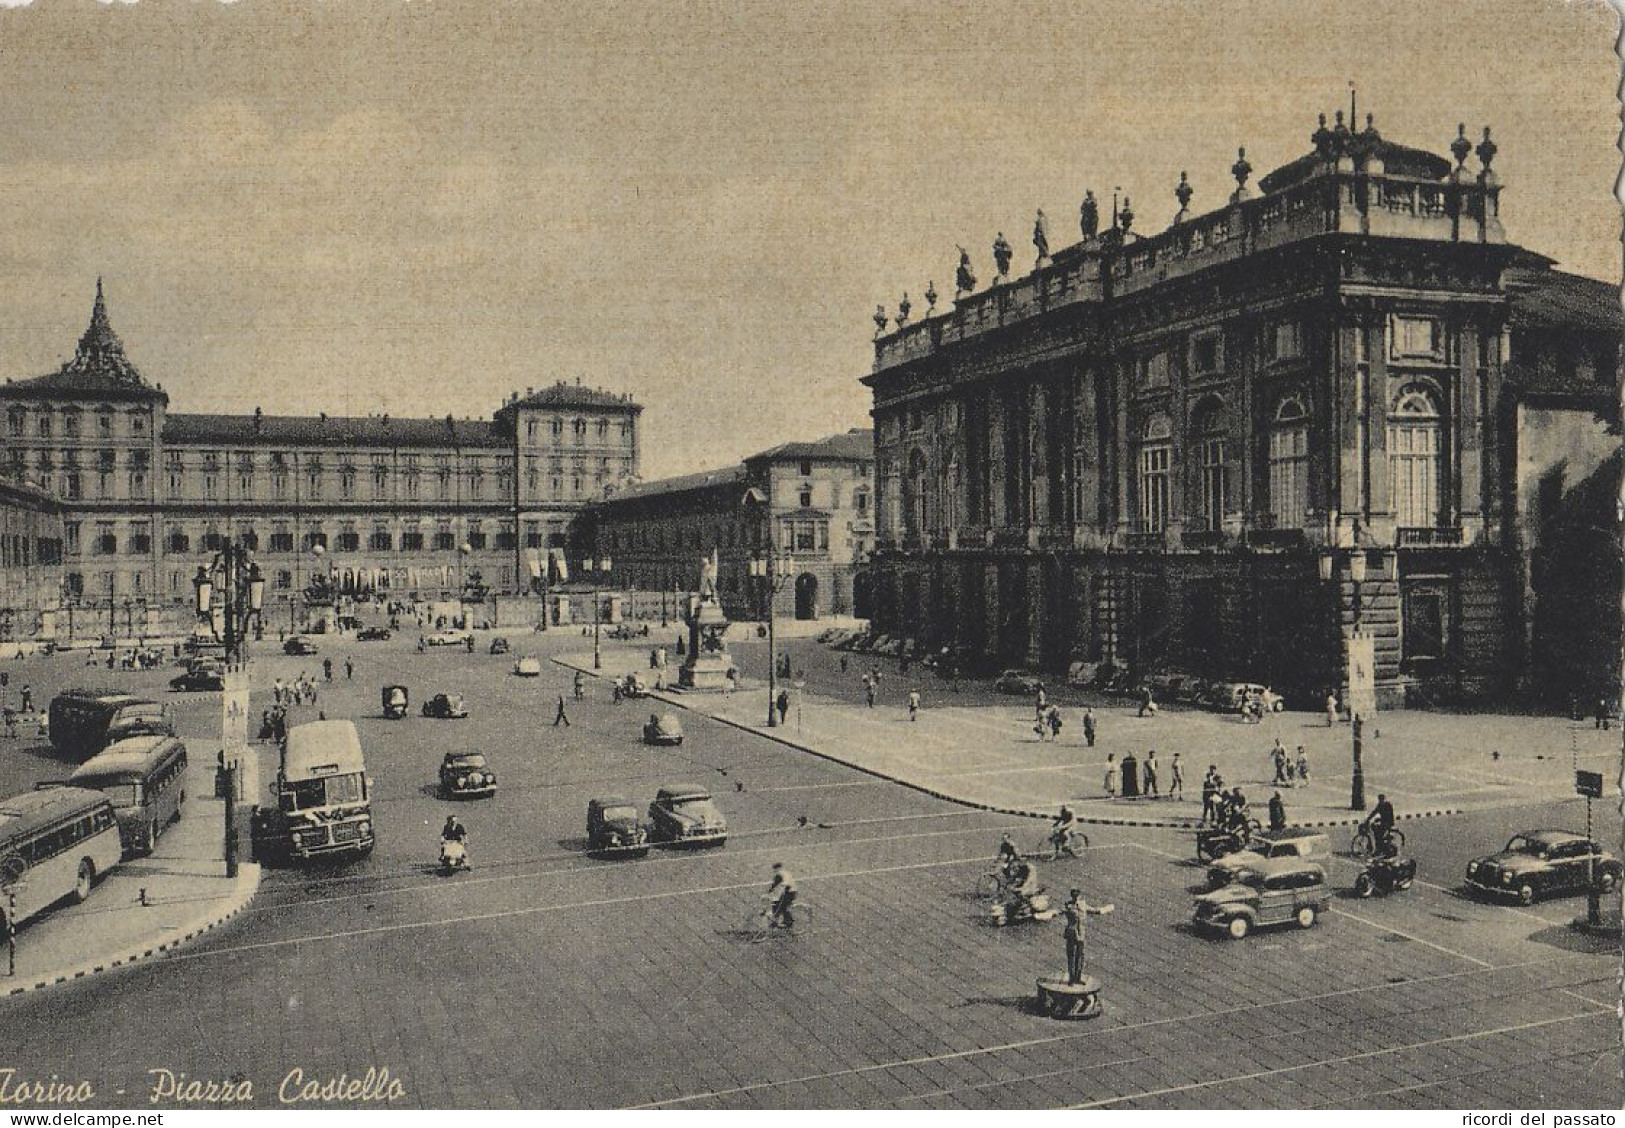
(707, 662)
(1059, 998)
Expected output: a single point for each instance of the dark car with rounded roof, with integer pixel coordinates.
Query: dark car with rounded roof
(686, 816)
(467, 775)
(614, 829)
(1543, 863)
(446, 706)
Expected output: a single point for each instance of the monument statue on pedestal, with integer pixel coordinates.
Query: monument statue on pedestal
(707, 662)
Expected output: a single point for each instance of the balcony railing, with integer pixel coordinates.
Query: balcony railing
(1140, 537)
(1447, 536)
(1203, 538)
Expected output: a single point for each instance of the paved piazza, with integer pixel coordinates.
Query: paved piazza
(545, 978)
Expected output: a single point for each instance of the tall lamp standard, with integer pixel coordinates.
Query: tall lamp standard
(243, 597)
(774, 572)
(1357, 576)
(462, 587)
(599, 574)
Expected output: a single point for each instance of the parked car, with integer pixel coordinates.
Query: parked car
(499, 645)
(1165, 686)
(202, 674)
(446, 706)
(1276, 891)
(663, 729)
(613, 829)
(372, 634)
(633, 686)
(448, 638)
(466, 775)
(1017, 681)
(528, 667)
(686, 816)
(300, 645)
(1540, 863)
(395, 700)
(1228, 696)
(1299, 843)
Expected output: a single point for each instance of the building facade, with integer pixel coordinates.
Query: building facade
(1167, 450)
(30, 562)
(809, 503)
(332, 507)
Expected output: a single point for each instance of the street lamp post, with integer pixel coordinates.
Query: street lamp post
(1357, 575)
(598, 573)
(774, 572)
(462, 589)
(242, 588)
(663, 586)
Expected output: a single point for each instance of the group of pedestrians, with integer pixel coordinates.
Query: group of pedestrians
(300, 691)
(1289, 770)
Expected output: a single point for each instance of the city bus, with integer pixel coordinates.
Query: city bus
(144, 777)
(84, 721)
(323, 802)
(54, 843)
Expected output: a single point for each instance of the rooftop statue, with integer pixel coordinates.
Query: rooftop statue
(964, 279)
(1041, 235)
(1089, 215)
(1002, 254)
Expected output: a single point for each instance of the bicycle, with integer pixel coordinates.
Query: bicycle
(1068, 843)
(994, 884)
(1363, 846)
(760, 926)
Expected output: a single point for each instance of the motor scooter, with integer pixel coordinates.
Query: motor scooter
(1019, 908)
(453, 855)
(1385, 875)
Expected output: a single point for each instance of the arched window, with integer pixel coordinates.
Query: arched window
(1415, 457)
(1156, 466)
(1289, 464)
(1212, 453)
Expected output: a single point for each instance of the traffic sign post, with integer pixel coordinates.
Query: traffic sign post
(1589, 784)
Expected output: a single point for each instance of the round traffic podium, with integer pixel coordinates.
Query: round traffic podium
(1061, 998)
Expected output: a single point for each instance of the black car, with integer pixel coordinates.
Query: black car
(1539, 863)
(203, 674)
(446, 706)
(466, 775)
(686, 816)
(300, 645)
(372, 634)
(499, 645)
(613, 829)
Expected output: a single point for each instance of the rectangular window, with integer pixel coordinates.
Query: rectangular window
(1424, 628)
(71, 532)
(444, 540)
(506, 538)
(44, 426)
(806, 468)
(380, 541)
(1285, 340)
(106, 540)
(1413, 474)
(1155, 462)
(281, 541)
(1207, 357)
(1416, 338)
(349, 541)
(1289, 476)
(1154, 370)
(412, 541)
(476, 540)
(1214, 500)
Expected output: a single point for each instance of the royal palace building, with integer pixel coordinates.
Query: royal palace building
(806, 507)
(332, 508)
(1343, 400)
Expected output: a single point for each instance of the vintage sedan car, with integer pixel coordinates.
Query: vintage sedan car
(614, 830)
(448, 638)
(499, 645)
(446, 707)
(202, 674)
(1276, 891)
(1297, 843)
(664, 730)
(299, 644)
(528, 667)
(686, 816)
(1540, 863)
(1228, 696)
(1017, 681)
(466, 775)
(372, 634)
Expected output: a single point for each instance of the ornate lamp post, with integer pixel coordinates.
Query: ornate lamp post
(774, 572)
(242, 588)
(599, 575)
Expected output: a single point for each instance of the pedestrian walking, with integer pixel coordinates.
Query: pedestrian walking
(28, 700)
(327, 668)
(560, 718)
(1303, 765)
(843, 663)
(1211, 786)
(913, 705)
(1278, 755)
(1277, 814)
(1089, 726)
(1041, 703)
(1052, 718)
(1148, 703)
(783, 704)
(1077, 913)
(1331, 709)
(276, 691)
(349, 670)
(11, 722)
(580, 685)
(1148, 775)
(1111, 775)
(869, 688)
(1176, 778)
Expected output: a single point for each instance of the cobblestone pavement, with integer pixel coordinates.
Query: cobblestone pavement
(546, 978)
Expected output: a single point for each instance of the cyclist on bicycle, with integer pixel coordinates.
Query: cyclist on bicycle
(1060, 835)
(1008, 855)
(1380, 826)
(781, 895)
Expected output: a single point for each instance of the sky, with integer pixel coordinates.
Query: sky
(420, 207)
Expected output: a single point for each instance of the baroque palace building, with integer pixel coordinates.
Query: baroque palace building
(331, 507)
(1341, 401)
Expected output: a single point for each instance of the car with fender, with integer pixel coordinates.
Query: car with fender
(528, 667)
(448, 638)
(299, 645)
(1275, 891)
(664, 730)
(446, 707)
(466, 775)
(686, 816)
(1017, 681)
(1299, 842)
(202, 675)
(1543, 863)
(614, 829)
(499, 645)
(1227, 697)
(372, 634)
